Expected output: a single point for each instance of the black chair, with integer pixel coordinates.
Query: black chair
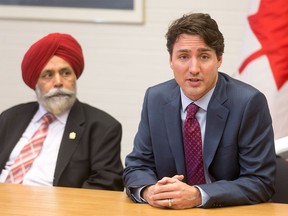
(281, 188)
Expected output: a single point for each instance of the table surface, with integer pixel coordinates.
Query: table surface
(45, 201)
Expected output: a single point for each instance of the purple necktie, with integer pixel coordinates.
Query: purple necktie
(193, 147)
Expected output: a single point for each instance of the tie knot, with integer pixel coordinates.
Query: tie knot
(192, 110)
(48, 118)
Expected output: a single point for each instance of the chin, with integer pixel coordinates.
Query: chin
(59, 105)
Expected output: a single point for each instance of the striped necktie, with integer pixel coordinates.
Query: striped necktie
(29, 152)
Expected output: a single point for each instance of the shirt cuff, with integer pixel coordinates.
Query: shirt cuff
(204, 196)
(137, 194)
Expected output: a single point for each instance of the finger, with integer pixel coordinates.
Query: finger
(178, 177)
(167, 203)
(168, 180)
(164, 180)
(163, 193)
(160, 203)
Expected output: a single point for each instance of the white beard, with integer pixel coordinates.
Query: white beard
(57, 100)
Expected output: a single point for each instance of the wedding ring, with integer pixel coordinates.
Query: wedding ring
(169, 202)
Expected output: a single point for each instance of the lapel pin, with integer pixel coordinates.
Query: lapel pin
(72, 135)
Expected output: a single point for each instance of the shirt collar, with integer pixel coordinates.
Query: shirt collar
(42, 111)
(201, 102)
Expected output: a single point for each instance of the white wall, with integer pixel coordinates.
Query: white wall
(121, 60)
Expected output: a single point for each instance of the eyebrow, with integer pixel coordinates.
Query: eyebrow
(200, 50)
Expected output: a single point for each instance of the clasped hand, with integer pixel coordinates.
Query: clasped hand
(172, 193)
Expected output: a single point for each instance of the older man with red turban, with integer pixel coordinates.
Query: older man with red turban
(58, 141)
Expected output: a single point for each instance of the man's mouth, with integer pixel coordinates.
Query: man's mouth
(59, 95)
(194, 80)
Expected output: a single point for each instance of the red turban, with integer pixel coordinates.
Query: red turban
(38, 55)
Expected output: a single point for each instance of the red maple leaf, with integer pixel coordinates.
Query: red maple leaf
(270, 26)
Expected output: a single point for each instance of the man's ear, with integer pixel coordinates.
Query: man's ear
(220, 58)
(170, 62)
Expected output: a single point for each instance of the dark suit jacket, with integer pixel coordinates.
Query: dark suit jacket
(238, 144)
(92, 160)
(281, 189)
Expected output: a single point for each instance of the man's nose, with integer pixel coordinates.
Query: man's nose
(58, 80)
(194, 66)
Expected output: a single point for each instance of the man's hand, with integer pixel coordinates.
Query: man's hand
(172, 193)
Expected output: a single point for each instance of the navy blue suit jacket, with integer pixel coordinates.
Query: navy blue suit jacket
(92, 160)
(238, 144)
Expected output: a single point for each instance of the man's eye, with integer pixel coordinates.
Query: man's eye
(66, 73)
(183, 57)
(204, 57)
(46, 75)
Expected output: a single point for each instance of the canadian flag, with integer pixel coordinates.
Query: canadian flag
(264, 60)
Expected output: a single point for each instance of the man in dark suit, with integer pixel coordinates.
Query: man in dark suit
(82, 145)
(237, 138)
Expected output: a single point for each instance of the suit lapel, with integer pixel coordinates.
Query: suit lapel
(216, 120)
(70, 140)
(174, 129)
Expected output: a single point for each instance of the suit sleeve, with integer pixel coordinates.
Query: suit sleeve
(106, 166)
(140, 166)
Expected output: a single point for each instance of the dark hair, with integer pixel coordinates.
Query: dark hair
(196, 24)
